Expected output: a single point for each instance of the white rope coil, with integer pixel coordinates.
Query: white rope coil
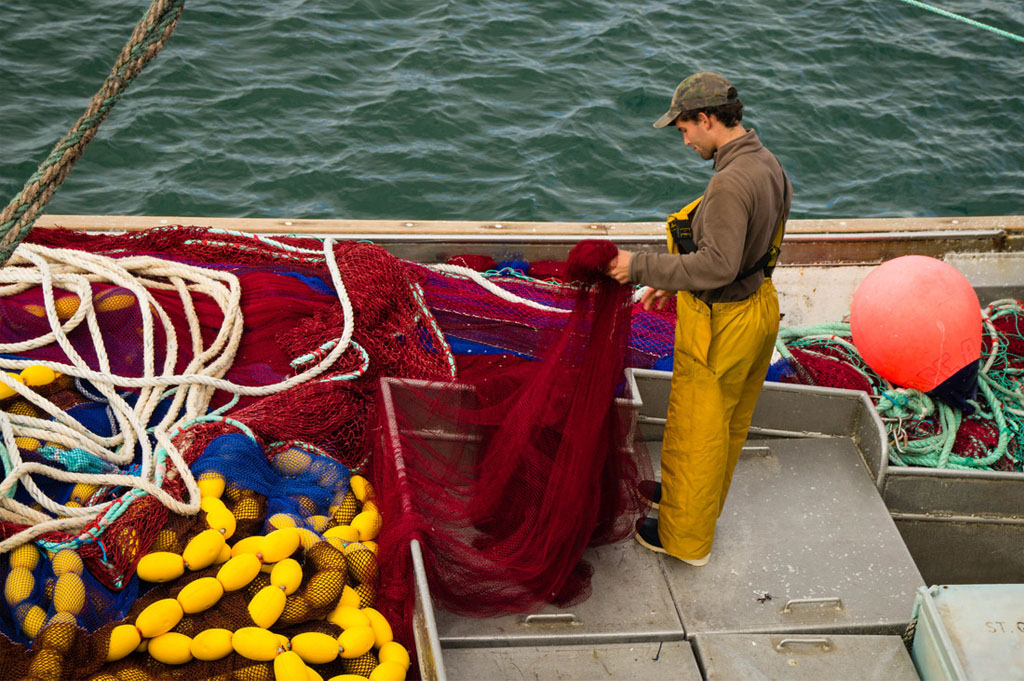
(75, 271)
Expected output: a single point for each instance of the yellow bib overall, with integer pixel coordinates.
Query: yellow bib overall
(721, 357)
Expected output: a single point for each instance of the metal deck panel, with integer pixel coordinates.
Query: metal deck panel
(669, 661)
(965, 551)
(764, 657)
(803, 520)
(630, 603)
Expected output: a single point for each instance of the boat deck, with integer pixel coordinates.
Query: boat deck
(806, 550)
(810, 573)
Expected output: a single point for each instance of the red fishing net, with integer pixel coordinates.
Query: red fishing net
(505, 474)
(505, 478)
(478, 263)
(292, 315)
(825, 367)
(982, 437)
(483, 327)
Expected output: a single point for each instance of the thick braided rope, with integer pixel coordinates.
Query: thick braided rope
(145, 43)
(74, 270)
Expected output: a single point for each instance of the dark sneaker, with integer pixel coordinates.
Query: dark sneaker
(650, 491)
(647, 534)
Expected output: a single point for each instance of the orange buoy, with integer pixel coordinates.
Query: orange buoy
(916, 321)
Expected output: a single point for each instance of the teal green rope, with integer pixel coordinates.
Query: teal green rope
(835, 332)
(8, 466)
(1000, 418)
(936, 451)
(996, 402)
(970, 22)
(216, 419)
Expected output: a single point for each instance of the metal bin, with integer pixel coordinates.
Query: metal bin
(979, 512)
(632, 602)
(970, 632)
(671, 661)
(804, 543)
(807, 657)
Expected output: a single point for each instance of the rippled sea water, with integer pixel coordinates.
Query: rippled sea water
(514, 110)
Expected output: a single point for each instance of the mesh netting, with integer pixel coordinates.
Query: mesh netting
(506, 477)
(477, 324)
(154, 369)
(292, 317)
(924, 431)
(293, 323)
(287, 487)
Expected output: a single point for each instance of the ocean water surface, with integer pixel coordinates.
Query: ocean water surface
(514, 110)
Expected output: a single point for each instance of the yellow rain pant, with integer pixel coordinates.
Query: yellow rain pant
(721, 357)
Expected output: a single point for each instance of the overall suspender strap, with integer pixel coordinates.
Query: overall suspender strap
(771, 258)
(766, 262)
(679, 228)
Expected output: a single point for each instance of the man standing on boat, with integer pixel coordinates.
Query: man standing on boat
(722, 249)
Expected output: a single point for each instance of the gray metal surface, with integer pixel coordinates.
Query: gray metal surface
(993, 494)
(981, 513)
(803, 524)
(970, 632)
(424, 627)
(992, 275)
(798, 248)
(798, 410)
(875, 247)
(783, 411)
(631, 602)
(933, 652)
(964, 551)
(655, 661)
(962, 527)
(934, 509)
(809, 657)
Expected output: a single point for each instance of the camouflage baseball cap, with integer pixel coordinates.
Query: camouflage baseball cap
(698, 91)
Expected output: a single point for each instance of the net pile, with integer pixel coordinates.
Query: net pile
(179, 352)
(489, 318)
(506, 477)
(290, 500)
(159, 345)
(924, 431)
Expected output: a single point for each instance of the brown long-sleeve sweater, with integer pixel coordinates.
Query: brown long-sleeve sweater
(732, 227)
